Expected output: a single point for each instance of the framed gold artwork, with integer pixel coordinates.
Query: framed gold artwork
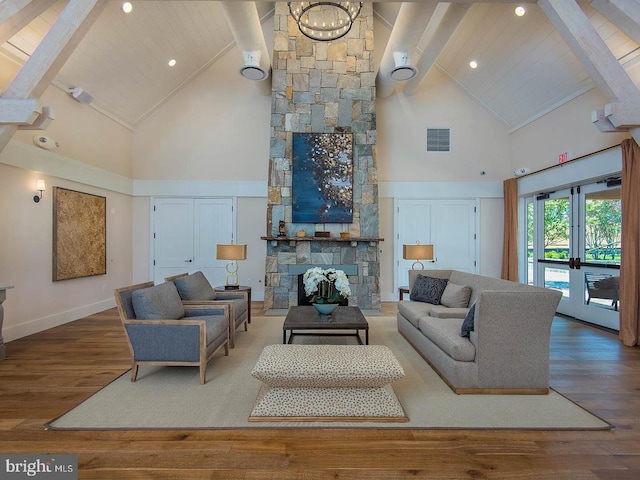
(79, 234)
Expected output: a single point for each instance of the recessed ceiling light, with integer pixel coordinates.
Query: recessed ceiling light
(520, 11)
(172, 62)
(127, 7)
(473, 64)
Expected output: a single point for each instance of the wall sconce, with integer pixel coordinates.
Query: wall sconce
(417, 252)
(41, 188)
(233, 253)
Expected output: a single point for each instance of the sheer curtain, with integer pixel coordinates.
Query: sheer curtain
(510, 240)
(630, 251)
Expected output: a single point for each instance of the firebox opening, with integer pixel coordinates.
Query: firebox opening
(304, 299)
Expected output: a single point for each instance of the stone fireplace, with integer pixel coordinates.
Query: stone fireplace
(322, 87)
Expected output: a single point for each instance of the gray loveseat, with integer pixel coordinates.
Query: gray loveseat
(508, 349)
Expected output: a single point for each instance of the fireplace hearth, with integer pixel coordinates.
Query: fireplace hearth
(289, 259)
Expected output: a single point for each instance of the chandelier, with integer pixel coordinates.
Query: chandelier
(325, 21)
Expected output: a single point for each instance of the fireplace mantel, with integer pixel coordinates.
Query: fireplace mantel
(323, 239)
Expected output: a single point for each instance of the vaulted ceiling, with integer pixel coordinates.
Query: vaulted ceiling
(525, 67)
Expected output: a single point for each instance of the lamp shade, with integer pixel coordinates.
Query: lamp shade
(231, 252)
(417, 252)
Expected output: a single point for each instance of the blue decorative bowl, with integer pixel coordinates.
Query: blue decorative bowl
(325, 308)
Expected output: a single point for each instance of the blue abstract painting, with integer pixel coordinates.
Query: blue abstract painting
(322, 177)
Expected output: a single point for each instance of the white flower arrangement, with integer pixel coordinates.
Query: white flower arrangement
(326, 286)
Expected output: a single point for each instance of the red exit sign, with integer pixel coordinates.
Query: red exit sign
(563, 157)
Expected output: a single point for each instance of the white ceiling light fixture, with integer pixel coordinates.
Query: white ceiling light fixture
(520, 11)
(402, 71)
(172, 62)
(252, 69)
(473, 64)
(79, 95)
(325, 21)
(127, 7)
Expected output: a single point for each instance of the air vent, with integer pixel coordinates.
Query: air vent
(438, 139)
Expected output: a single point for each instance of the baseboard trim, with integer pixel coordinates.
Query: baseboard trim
(45, 323)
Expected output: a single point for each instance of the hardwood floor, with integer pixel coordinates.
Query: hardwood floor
(46, 374)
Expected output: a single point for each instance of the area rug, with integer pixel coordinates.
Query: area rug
(173, 398)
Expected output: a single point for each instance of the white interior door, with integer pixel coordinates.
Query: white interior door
(450, 225)
(455, 239)
(414, 220)
(172, 237)
(213, 225)
(185, 234)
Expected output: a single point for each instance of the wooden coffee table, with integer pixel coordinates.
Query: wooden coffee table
(305, 317)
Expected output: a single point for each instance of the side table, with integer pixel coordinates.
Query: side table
(402, 291)
(241, 288)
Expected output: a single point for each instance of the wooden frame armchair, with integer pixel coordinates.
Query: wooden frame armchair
(606, 287)
(161, 330)
(195, 289)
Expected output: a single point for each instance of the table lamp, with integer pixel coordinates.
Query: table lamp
(232, 253)
(417, 252)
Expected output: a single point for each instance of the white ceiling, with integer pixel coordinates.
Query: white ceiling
(525, 67)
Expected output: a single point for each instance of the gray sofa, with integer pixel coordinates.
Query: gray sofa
(508, 349)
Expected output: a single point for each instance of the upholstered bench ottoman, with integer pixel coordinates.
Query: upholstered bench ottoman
(327, 383)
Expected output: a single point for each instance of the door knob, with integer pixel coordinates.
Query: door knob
(189, 261)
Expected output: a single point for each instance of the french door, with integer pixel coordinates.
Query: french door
(574, 246)
(185, 234)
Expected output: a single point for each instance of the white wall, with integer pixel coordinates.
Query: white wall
(217, 128)
(566, 129)
(37, 303)
(94, 157)
(210, 139)
(479, 142)
(84, 134)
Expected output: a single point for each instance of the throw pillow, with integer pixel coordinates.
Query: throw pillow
(428, 289)
(160, 302)
(468, 324)
(194, 287)
(456, 296)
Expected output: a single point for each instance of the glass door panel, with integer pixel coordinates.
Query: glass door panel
(574, 239)
(554, 214)
(600, 230)
(531, 253)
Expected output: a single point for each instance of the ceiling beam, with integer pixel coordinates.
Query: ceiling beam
(621, 20)
(42, 122)
(246, 28)
(442, 33)
(623, 115)
(584, 41)
(410, 24)
(19, 111)
(53, 51)
(16, 14)
(596, 58)
(631, 8)
(600, 120)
